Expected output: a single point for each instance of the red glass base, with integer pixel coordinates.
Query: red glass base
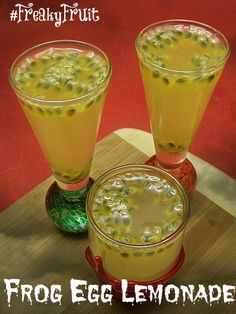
(185, 173)
(96, 263)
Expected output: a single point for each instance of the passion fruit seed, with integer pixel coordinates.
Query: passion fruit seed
(166, 80)
(145, 47)
(150, 253)
(211, 77)
(69, 85)
(71, 112)
(40, 110)
(58, 110)
(182, 79)
(203, 41)
(155, 74)
(89, 104)
(179, 32)
(124, 254)
(188, 34)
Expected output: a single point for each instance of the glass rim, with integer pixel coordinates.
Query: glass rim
(184, 71)
(59, 101)
(165, 174)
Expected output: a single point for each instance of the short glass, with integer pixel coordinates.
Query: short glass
(64, 112)
(177, 92)
(124, 207)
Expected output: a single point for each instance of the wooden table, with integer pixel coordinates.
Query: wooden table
(34, 251)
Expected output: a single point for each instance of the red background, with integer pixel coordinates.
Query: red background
(22, 163)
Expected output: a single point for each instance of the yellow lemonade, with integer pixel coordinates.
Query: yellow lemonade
(180, 65)
(137, 216)
(62, 92)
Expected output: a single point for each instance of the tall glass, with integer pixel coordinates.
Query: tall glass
(61, 86)
(180, 62)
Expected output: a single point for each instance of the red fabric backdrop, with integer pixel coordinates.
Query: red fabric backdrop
(22, 163)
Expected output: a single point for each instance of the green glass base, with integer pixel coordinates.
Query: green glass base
(66, 209)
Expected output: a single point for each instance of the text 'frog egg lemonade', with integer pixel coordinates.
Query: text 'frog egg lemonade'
(180, 65)
(137, 216)
(66, 130)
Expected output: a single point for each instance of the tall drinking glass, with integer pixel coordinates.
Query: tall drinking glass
(61, 86)
(180, 62)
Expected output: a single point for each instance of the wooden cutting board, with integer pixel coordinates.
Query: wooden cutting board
(36, 252)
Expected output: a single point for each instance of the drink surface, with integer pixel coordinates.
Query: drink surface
(137, 208)
(60, 74)
(68, 92)
(182, 48)
(180, 66)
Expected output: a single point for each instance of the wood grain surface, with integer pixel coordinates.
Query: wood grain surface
(36, 252)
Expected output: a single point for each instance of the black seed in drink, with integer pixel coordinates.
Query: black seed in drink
(182, 80)
(38, 85)
(31, 74)
(49, 111)
(124, 254)
(79, 176)
(85, 89)
(66, 177)
(203, 43)
(168, 41)
(108, 246)
(71, 112)
(89, 104)
(137, 253)
(57, 88)
(45, 85)
(155, 74)
(160, 58)
(79, 90)
(58, 174)
(150, 253)
(158, 36)
(22, 102)
(188, 35)
(58, 57)
(40, 110)
(58, 110)
(22, 81)
(99, 97)
(211, 77)
(145, 47)
(179, 32)
(160, 145)
(92, 64)
(69, 85)
(160, 250)
(166, 80)
(33, 63)
(172, 146)
(199, 78)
